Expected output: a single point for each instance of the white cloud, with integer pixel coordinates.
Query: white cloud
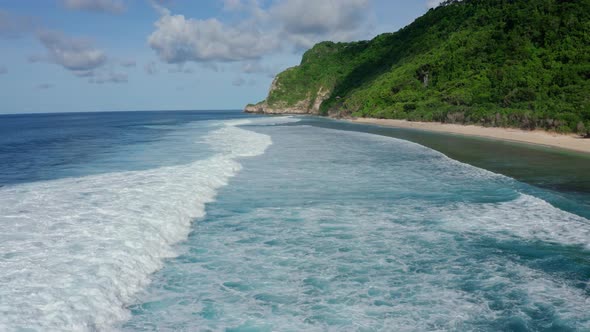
(75, 54)
(286, 23)
(433, 3)
(178, 40)
(109, 6)
(80, 57)
(307, 22)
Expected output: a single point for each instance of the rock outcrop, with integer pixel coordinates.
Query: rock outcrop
(304, 106)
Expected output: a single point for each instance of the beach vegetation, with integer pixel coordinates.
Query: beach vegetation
(515, 63)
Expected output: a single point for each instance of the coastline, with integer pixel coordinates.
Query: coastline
(535, 137)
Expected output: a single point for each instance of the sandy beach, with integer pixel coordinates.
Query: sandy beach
(538, 137)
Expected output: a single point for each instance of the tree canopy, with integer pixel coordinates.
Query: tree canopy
(517, 63)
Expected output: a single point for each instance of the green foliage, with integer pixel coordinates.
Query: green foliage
(515, 63)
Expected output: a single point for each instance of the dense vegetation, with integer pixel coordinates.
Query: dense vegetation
(522, 63)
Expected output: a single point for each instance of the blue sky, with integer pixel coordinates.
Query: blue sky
(110, 55)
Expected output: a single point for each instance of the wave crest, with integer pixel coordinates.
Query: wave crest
(75, 251)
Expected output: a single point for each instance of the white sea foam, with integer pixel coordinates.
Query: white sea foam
(74, 252)
(374, 234)
(346, 268)
(274, 120)
(527, 217)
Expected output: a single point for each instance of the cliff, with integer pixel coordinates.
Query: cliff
(308, 103)
(515, 63)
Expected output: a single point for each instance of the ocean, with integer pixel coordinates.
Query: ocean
(222, 221)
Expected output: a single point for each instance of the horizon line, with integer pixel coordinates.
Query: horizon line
(128, 111)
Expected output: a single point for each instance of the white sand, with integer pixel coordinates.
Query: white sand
(539, 137)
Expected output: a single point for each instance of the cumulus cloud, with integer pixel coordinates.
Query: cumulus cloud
(286, 23)
(307, 22)
(178, 40)
(75, 54)
(3, 70)
(108, 6)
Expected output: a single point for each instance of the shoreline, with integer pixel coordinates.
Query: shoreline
(535, 137)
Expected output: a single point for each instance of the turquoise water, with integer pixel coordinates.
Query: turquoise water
(217, 221)
(562, 172)
(336, 230)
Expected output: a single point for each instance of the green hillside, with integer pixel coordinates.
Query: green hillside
(518, 63)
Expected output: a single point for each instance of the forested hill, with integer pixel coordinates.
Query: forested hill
(519, 63)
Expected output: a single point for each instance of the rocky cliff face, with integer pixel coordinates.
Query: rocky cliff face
(307, 105)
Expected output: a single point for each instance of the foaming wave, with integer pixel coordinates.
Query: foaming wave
(526, 217)
(336, 267)
(373, 234)
(272, 120)
(75, 251)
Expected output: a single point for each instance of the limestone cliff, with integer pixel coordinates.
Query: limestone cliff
(309, 105)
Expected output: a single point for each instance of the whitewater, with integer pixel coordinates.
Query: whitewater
(222, 222)
(76, 250)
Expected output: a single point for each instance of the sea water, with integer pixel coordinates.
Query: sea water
(218, 221)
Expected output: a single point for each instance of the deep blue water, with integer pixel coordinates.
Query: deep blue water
(37, 147)
(222, 221)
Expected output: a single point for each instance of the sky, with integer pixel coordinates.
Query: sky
(117, 55)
